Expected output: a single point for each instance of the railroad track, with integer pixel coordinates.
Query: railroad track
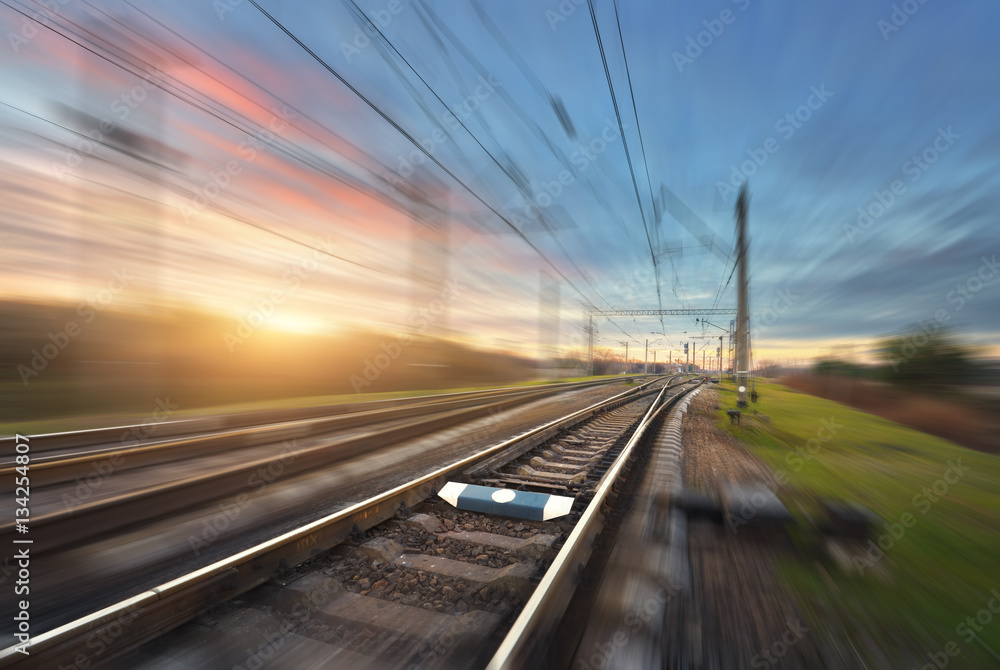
(133, 521)
(439, 583)
(60, 452)
(179, 484)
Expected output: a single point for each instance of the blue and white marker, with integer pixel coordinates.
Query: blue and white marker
(506, 502)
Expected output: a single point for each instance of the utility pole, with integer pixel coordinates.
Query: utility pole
(741, 366)
(720, 358)
(548, 322)
(687, 359)
(590, 344)
(625, 342)
(645, 359)
(732, 344)
(654, 361)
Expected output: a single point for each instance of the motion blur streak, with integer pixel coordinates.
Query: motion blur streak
(265, 210)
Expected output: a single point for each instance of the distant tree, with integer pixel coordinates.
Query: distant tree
(768, 368)
(835, 366)
(606, 362)
(927, 356)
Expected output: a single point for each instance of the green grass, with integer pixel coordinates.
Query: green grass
(940, 571)
(78, 422)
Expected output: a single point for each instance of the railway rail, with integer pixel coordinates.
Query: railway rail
(56, 447)
(456, 567)
(121, 530)
(175, 486)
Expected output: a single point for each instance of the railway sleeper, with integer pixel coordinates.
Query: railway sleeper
(513, 580)
(392, 633)
(568, 453)
(529, 484)
(539, 545)
(538, 475)
(243, 637)
(569, 468)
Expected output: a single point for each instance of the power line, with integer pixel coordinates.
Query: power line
(411, 139)
(628, 157)
(525, 118)
(214, 205)
(503, 168)
(642, 148)
(165, 86)
(718, 294)
(416, 144)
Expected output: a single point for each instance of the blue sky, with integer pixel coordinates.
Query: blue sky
(836, 102)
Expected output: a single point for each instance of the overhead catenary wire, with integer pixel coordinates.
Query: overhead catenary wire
(165, 87)
(536, 83)
(718, 294)
(628, 157)
(165, 84)
(417, 144)
(298, 153)
(642, 148)
(385, 40)
(413, 141)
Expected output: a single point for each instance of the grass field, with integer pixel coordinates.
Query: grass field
(916, 593)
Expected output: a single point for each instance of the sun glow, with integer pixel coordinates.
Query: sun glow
(297, 323)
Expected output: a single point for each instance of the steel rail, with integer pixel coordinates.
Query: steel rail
(73, 525)
(46, 470)
(534, 626)
(146, 615)
(91, 436)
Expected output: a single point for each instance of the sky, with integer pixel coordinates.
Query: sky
(522, 163)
